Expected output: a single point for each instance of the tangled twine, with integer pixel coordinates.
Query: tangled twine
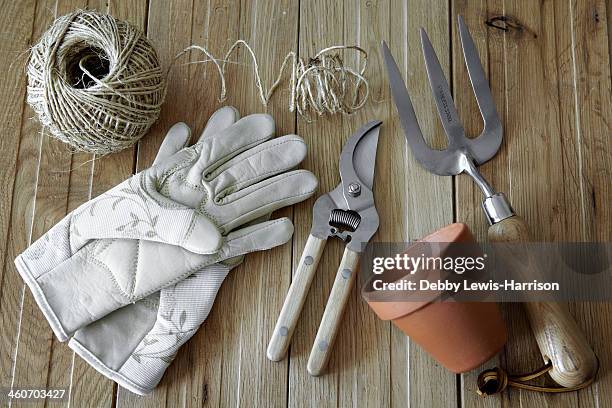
(323, 85)
(95, 82)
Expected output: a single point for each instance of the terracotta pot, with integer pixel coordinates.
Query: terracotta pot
(461, 336)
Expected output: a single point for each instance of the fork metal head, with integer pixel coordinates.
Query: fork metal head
(452, 160)
(462, 154)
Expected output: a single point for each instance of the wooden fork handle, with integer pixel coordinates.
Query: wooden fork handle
(334, 310)
(559, 338)
(290, 313)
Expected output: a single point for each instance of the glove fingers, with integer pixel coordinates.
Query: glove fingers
(220, 120)
(257, 237)
(266, 160)
(264, 197)
(222, 146)
(179, 134)
(237, 260)
(177, 138)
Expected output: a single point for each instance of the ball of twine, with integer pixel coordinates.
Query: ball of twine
(95, 82)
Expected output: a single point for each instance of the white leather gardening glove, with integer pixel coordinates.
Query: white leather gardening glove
(167, 222)
(135, 344)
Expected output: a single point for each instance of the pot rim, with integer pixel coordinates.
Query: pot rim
(455, 232)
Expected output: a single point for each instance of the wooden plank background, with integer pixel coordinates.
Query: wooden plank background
(550, 77)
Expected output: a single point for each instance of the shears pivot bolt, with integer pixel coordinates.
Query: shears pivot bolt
(354, 189)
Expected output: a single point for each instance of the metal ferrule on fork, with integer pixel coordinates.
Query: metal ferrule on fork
(495, 205)
(463, 155)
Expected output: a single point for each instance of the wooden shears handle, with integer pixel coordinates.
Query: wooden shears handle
(340, 293)
(281, 337)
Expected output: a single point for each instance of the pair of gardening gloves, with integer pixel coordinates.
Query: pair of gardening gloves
(129, 276)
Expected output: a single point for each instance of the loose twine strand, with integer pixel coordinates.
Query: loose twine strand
(97, 84)
(322, 85)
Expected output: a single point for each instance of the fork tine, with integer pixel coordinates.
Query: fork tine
(492, 125)
(431, 159)
(442, 95)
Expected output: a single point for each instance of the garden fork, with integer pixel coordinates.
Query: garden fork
(559, 338)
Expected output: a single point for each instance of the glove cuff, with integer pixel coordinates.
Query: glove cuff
(40, 298)
(67, 296)
(108, 372)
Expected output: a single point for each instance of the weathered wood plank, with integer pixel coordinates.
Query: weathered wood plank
(608, 8)
(17, 173)
(41, 361)
(583, 62)
(397, 162)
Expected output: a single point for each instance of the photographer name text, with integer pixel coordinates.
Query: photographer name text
(465, 285)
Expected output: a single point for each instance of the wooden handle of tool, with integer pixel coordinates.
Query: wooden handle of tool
(281, 337)
(340, 293)
(559, 338)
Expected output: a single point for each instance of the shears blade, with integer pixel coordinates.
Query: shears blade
(357, 162)
(364, 157)
(351, 202)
